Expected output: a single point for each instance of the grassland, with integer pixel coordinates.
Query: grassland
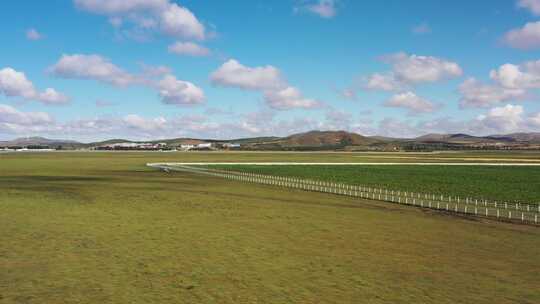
(103, 228)
(510, 184)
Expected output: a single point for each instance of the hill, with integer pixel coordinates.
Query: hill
(40, 141)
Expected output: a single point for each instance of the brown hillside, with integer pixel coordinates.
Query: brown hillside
(326, 138)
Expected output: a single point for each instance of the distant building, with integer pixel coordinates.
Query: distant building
(231, 146)
(204, 146)
(187, 146)
(134, 146)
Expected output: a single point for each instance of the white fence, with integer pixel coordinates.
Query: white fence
(525, 213)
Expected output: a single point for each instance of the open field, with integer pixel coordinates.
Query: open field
(495, 183)
(104, 228)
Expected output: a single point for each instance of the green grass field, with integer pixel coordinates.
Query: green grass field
(510, 184)
(103, 228)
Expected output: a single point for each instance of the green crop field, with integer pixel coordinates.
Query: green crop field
(504, 184)
(104, 228)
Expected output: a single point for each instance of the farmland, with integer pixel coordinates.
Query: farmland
(520, 184)
(104, 228)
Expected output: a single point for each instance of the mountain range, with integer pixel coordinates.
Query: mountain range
(323, 140)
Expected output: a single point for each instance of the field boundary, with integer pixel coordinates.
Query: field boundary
(502, 211)
(342, 164)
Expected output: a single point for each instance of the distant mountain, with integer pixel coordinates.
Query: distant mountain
(38, 141)
(458, 138)
(522, 137)
(386, 139)
(326, 138)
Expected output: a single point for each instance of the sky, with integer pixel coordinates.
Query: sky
(149, 69)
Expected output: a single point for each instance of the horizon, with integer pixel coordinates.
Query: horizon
(243, 138)
(93, 70)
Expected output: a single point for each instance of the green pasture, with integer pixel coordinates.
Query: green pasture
(496, 183)
(103, 228)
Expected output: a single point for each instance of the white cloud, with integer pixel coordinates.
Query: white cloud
(510, 83)
(51, 96)
(476, 94)
(10, 115)
(412, 69)
(524, 76)
(422, 28)
(505, 119)
(140, 123)
(188, 48)
(323, 8)
(15, 84)
(95, 67)
(180, 22)
(412, 102)
(289, 98)
(233, 74)
(33, 34)
(163, 15)
(179, 92)
(532, 5)
(337, 120)
(502, 119)
(278, 94)
(119, 7)
(534, 121)
(383, 82)
(527, 37)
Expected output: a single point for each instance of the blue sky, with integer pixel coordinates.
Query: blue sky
(140, 69)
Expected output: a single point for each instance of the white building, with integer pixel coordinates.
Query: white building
(204, 146)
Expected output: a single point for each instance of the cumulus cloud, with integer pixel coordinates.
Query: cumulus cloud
(413, 69)
(233, 74)
(524, 76)
(179, 92)
(477, 94)
(498, 120)
(163, 15)
(15, 84)
(10, 115)
(383, 82)
(338, 120)
(527, 37)
(510, 82)
(410, 70)
(33, 34)
(534, 121)
(502, 119)
(412, 102)
(188, 48)
(95, 67)
(289, 98)
(140, 123)
(532, 5)
(278, 94)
